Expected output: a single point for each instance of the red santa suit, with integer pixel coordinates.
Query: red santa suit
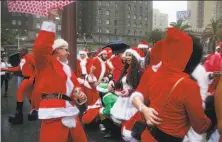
(59, 116)
(185, 107)
(100, 70)
(155, 63)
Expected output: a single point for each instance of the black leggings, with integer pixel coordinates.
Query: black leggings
(4, 80)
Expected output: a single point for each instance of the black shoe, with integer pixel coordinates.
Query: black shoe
(33, 115)
(17, 118)
(110, 135)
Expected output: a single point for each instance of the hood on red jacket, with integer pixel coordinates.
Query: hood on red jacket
(156, 53)
(177, 50)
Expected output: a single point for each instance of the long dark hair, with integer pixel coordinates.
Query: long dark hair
(133, 76)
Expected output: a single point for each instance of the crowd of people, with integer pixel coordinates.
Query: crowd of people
(163, 93)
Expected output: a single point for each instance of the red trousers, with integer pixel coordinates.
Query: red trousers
(53, 130)
(92, 95)
(25, 88)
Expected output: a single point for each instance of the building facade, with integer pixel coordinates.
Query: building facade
(104, 21)
(202, 12)
(160, 20)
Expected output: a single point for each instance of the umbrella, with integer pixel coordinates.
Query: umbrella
(117, 46)
(40, 7)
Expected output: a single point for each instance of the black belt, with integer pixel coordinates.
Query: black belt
(25, 77)
(56, 96)
(160, 136)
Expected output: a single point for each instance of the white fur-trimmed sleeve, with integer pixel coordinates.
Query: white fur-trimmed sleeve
(48, 26)
(134, 94)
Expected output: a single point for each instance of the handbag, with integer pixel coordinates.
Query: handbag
(139, 127)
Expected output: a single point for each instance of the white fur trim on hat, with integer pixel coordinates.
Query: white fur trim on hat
(137, 56)
(217, 47)
(83, 52)
(143, 46)
(103, 51)
(58, 43)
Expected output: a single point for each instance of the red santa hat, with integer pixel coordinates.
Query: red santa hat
(143, 44)
(84, 52)
(101, 51)
(60, 43)
(137, 53)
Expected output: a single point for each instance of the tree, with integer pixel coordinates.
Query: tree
(179, 25)
(8, 36)
(213, 33)
(156, 35)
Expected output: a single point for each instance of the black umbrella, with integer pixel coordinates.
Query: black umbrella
(117, 46)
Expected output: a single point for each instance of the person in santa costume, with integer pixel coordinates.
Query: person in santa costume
(128, 81)
(174, 101)
(27, 67)
(58, 86)
(83, 66)
(128, 127)
(143, 45)
(99, 70)
(218, 106)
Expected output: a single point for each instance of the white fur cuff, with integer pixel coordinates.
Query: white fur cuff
(101, 110)
(134, 94)
(48, 26)
(80, 80)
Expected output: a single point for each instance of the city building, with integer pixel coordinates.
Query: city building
(202, 12)
(98, 22)
(160, 20)
(104, 21)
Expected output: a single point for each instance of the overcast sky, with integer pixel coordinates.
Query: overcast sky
(170, 8)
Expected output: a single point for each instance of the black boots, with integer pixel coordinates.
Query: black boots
(33, 115)
(17, 118)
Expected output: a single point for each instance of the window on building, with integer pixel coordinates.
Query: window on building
(80, 27)
(19, 22)
(108, 39)
(146, 10)
(99, 11)
(107, 31)
(116, 31)
(107, 22)
(18, 14)
(129, 24)
(108, 4)
(134, 17)
(100, 21)
(140, 17)
(140, 1)
(134, 7)
(100, 39)
(99, 3)
(128, 15)
(26, 23)
(140, 33)
(146, 2)
(134, 25)
(146, 33)
(141, 9)
(128, 32)
(145, 18)
(115, 22)
(129, 7)
(116, 13)
(13, 22)
(99, 30)
(134, 33)
(140, 25)
(107, 12)
(37, 25)
(116, 5)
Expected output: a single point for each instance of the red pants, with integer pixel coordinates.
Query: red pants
(53, 130)
(92, 95)
(25, 88)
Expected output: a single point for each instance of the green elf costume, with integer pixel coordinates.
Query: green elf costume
(108, 99)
